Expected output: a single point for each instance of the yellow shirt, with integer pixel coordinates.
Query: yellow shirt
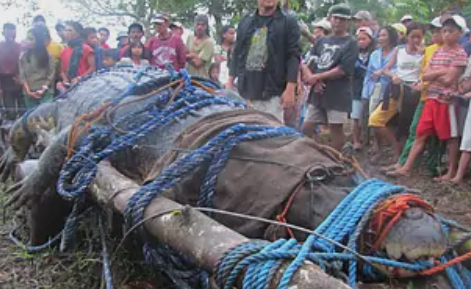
(429, 52)
(54, 49)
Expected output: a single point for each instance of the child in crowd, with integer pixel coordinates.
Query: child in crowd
(375, 83)
(92, 40)
(331, 78)
(432, 162)
(366, 45)
(439, 114)
(214, 72)
(135, 55)
(404, 93)
(109, 59)
(465, 88)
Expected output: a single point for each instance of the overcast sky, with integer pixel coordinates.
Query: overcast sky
(53, 10)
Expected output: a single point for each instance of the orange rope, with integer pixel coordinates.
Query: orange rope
(446, 265)
(89, 119)
(389, 212)
(282, 217)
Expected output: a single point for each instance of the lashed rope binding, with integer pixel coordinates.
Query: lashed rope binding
(259, 260)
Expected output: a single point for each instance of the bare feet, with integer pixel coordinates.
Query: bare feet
(401, 172)
(457, 181)
(394, 167)
(445, 178)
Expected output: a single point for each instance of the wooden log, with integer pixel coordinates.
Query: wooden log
(191, 232)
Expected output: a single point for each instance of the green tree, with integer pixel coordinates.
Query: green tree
(425, 10)
(125, 11)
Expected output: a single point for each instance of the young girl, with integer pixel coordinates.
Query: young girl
(135, 55)
(214, 72)
(223, 51)
(366, 46)
(406, 89)
(37, 68)
(403, 96)
(374, 83)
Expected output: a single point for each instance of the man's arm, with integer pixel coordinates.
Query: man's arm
(91, 64)
(181, 52)
(451, 75)
(293, 49)
(345, 67)
(206, 54)
(431, 75)
(293, 60)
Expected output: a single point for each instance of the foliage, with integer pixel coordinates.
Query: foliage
(425, 10)
(125, 11)
(24, 10)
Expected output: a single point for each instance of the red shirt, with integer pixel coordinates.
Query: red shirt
(87, 51)
(170, 50)
(9, 58)
(446, 58)
(105, 46)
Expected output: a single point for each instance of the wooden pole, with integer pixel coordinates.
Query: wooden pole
(189, 232)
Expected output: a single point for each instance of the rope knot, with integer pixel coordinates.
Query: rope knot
(389, 212)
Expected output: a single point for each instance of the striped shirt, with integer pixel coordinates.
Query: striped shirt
(446, 58)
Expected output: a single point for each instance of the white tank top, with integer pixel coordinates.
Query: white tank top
(408, 65)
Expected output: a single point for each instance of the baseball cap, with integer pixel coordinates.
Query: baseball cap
(436, 23)
(202, 18)
(122, 34)
(324, 24)
(458, 20)
(400, 28)
(407, 17)
(176, 24)
(340, 11)
(161, 18)
(366, 30)
(363, 15)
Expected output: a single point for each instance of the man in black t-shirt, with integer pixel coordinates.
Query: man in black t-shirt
(265, 59)
(331, 77)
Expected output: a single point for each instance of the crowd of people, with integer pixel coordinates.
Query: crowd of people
(407, 82)
(410, 91)
(38, 68)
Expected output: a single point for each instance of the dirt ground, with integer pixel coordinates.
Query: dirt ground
(81, 268)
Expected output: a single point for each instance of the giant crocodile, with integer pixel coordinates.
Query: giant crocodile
(417, 235)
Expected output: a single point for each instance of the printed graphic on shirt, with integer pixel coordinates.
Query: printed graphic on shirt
(363, 57)
(326, 59)
(163, 55)
(258, 52)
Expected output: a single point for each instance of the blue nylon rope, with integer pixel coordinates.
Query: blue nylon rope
(259, 260)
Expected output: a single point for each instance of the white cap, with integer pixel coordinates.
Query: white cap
(407, 17)
(366, 30)
(458, 20)
(324, 24)
(436, 23)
